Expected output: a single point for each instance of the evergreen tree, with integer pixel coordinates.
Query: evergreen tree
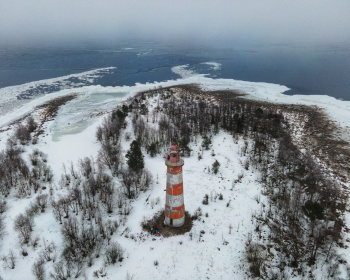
(121, 115)
(143, 109)
(135, 157)
(215, 167)
(152, 149)
(125, 109)
(185, 149)
(206, 143)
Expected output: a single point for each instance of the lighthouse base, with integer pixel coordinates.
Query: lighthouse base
(174, 222)
(164, 230)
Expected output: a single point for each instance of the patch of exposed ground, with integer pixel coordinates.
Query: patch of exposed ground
(195, 90)
(320, 137)
(47, 112)
(166, 231)
(50, 109)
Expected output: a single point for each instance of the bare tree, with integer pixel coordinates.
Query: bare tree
(86, 167)
(41, 201)
(23, 227)
(57, 210)
(129, 179)
(110, 155)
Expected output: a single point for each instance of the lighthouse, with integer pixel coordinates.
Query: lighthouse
(174, 202)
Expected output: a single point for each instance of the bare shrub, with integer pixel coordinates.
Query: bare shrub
(32, 210)
(39, 269)
(31, 124)
(41, 201)
(102, 272)
(206, 199)
(215, 167)
(256, 257)
(112, 226)
(3, 206)
(48, 253)
(34, 242)
(14, 171)
(22, 134)
(34, 157)
(61, 271)
(114, 253)
(81, 241)
(2, 226)
(48, 174)
(10, 260)
(40, 171)
(198, 213)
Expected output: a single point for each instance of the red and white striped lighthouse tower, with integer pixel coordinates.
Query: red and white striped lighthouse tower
(174, 203)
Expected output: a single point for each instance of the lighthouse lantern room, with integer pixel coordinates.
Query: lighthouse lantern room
(174, 202)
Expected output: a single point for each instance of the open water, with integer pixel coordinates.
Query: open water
(305, 70)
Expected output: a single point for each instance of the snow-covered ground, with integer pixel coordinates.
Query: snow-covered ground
(195, 255)
(218, 253)
(9, 95)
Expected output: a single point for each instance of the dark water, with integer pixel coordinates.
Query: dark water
(306, 70)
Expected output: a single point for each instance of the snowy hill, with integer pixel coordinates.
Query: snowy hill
(85, 199)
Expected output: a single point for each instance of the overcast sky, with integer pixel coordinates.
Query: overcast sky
(294, 21)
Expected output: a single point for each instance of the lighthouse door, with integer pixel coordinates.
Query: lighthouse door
(171, 222)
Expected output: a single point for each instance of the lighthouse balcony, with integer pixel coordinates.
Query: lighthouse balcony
(173, 164)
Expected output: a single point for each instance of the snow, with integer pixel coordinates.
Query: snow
(69, 148)
(196, 257)
(71, 136)
(9, 95)
(184, 73)
(215, 66)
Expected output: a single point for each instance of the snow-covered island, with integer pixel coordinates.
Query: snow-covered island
(265, 180)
